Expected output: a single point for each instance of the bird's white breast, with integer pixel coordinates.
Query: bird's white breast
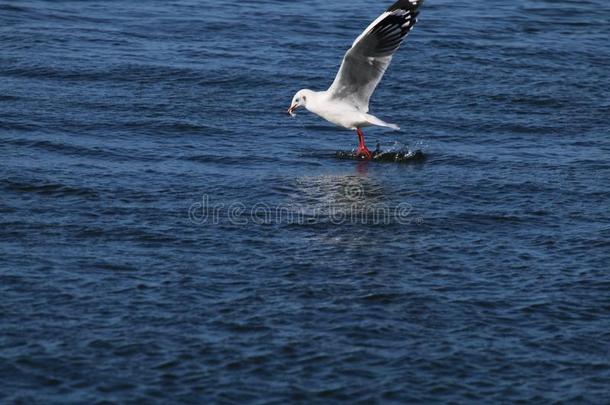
(336, 112)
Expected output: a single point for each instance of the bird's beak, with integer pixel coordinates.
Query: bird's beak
(291, 110)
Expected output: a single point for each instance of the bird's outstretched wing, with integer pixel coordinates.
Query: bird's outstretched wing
(371, 53)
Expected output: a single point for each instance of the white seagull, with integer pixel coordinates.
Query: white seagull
(346, 102)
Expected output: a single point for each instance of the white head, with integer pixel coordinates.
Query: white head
(299, 100)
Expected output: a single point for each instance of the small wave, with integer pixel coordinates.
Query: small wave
(13, 8)
(93, 152)
(229, 160)
(49, 189)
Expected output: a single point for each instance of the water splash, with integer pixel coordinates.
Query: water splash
(396, 153)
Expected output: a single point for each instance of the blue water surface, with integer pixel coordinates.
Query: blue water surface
(169, 234)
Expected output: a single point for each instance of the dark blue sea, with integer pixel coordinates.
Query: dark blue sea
(169, 235)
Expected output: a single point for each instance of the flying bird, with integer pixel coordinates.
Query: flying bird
(346, 102)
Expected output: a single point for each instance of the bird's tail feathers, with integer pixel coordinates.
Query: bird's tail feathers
(380, 123)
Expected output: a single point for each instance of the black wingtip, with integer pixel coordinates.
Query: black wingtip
(406, 5)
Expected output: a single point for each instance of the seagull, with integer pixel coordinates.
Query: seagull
(346, 102)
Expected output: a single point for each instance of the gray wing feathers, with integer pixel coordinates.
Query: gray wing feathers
(366, 61)
(357, 79)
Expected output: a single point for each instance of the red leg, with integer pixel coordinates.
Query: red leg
(362, 151)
